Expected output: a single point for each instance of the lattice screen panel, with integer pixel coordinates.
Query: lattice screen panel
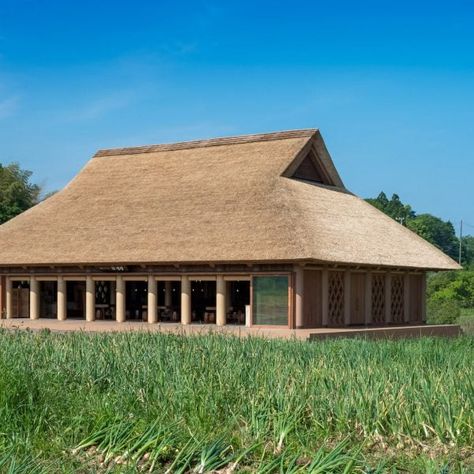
(378, 298)
(397, 298)
(336, 299)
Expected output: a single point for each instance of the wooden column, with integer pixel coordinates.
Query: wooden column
(423, 297)
(299, 297)
(221, 306)
(168, 293)
(61, 299)
(388, 298)
(368, 298)
(185, 300)
(152, 300)
(34, 298)
(90, 299)
(347, 298)
(120, 299)
(406, 297)
(8, 298)
(325, 296)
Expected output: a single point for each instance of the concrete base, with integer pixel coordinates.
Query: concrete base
(396, 332)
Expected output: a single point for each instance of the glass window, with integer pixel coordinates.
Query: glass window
(270, 300)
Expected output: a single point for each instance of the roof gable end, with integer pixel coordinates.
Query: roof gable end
(314, 164)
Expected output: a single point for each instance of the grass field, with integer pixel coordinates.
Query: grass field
(168, 403)
(467, 320)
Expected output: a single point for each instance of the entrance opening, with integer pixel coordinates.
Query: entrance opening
(76, 299)
(203, 301)
(105, 300)
(169, 301)
(238, 297)
(20, 299)
(136, 300)
(48, 291)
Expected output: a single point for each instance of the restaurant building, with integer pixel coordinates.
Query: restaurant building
(255, 229)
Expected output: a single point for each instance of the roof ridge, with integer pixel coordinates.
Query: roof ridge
(234, 140)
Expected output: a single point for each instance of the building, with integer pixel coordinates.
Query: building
(209, 231)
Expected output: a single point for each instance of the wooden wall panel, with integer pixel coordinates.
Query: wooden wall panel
(416, 307)
(336, 298)
(312, 308)
(357, 299)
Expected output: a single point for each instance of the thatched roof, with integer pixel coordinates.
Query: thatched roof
(224, 200)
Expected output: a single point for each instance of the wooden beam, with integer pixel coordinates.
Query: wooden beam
(221, 304)
(347, 298)
(185, 300)
(120, 300)
(152, 300)
(34, 298)
(8, 298)
(406, 297)
(423, 297)
(299, 290)
(368, 298)
(90, 299)
(2, 296)
(388, 298)
(61, 299)
(325, 296)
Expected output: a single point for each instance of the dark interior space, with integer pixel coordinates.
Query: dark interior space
(76, 299)
(136, 300)
(48, 299)
(105, 300)
(203, 301)
(239, 297)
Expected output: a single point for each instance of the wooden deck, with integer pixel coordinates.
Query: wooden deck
(392, 332)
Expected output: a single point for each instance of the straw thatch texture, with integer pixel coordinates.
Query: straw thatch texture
(214, 201)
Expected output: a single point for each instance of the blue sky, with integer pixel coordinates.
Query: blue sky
(389, 84)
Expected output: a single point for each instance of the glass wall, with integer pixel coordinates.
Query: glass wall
(270, 300)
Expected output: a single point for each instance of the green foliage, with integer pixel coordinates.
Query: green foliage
(438, 232)
(394, 207)
(452, 286)
(466, 321)
(450, 299)
(167, 403)
(17, 194)
(442, 310)
(468, 251)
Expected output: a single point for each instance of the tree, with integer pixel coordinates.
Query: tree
(440, 233)
(468, 250)
(394, 207)
(456, 286)
(17, 193)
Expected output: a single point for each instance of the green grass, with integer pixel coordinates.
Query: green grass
(466, 320)
(169, 403)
